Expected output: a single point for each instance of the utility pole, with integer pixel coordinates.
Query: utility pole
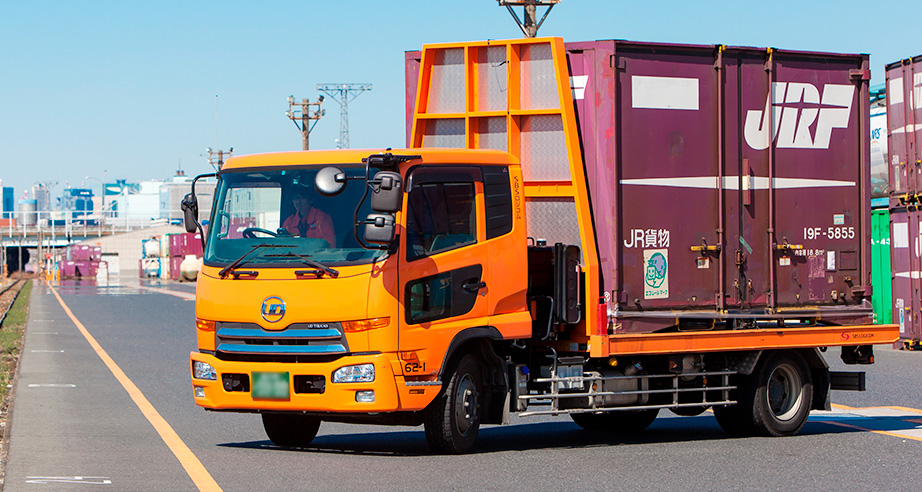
(343, 94)
(529, 27)
(217, 157)
(306, 117)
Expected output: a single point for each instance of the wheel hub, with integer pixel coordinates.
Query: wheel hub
(465, 405)
(784, 392)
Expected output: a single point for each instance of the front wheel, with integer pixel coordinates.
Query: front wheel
(452, 420)
(290, 430)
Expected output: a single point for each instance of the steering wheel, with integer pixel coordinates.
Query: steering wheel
(248, 232)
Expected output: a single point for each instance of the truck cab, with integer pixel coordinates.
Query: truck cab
(321, 308)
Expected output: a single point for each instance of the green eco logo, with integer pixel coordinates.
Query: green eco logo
(656, 270)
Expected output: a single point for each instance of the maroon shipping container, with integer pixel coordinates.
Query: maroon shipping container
(722, 181)
(192, 244)
(905, 259)
(85, 268)
(177, 244)
(83, 252)
(79, 253)
(904, 131)
(904, 122)
(175, 261)
(67, 269)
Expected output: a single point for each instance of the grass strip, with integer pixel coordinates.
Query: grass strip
(11, 338)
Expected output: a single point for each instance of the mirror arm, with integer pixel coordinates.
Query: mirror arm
(198, 224)
(355, 214)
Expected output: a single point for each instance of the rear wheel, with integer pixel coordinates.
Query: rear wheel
(622, 421)
(290, 430)
(783, 396)
(452, 420)
(774, 401)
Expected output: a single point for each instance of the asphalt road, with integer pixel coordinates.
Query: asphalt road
(74, 424)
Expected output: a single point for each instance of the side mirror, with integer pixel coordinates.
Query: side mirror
(379, 228)
(330, 181)
(189, 206)
(388, 192)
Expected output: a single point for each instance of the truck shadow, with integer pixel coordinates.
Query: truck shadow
(519, 437)
(567, 435)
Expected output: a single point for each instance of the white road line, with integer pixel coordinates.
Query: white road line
(893, 421)
(44, 333)
(83, 480)
(47, 351)
(55, 385)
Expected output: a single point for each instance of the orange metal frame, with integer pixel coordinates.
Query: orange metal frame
(766, 339)
(514, 114)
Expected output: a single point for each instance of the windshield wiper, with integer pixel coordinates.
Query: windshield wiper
(309, 262)
(230, 268)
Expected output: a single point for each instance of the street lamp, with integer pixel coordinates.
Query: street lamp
(303, 112)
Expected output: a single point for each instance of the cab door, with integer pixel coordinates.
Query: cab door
(443, 267)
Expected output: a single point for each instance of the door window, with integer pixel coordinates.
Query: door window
(441, 217)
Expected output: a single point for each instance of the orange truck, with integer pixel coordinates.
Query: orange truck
(603, 230)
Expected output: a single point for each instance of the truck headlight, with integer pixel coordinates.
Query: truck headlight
(362, 373)
(202, 370)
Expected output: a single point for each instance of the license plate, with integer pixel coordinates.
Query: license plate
(270, 385)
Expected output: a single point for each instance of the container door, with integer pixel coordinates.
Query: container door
(443, 263)
(906, 242)
(904, 115)
(668, 153)
(801, 157)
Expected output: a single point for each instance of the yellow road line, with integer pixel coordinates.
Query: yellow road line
(902, 409)
(194, 468)
(885, 433)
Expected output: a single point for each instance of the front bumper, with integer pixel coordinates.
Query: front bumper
(336, 397)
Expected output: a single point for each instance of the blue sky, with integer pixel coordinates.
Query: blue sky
(115, 89)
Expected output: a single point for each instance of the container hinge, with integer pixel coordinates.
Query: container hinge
(617, 63)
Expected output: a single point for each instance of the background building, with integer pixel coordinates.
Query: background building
(8, 201)
(78, 202)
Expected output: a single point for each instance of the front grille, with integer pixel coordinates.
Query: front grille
(298, 342)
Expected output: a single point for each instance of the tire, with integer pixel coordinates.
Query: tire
(783, 396)
(452, 420)
(620, 421)
(736, 420)
(290, 430)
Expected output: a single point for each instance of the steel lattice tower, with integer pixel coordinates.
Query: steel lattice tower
(343, 94)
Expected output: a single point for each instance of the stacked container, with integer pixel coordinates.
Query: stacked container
(149, 265)
(904, 129)
(185, 256)
(164, 256)
(165, 242)
(81, 261)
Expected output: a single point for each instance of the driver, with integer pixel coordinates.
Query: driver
(308, 221)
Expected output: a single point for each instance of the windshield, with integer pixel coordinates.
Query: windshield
(281, 207)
